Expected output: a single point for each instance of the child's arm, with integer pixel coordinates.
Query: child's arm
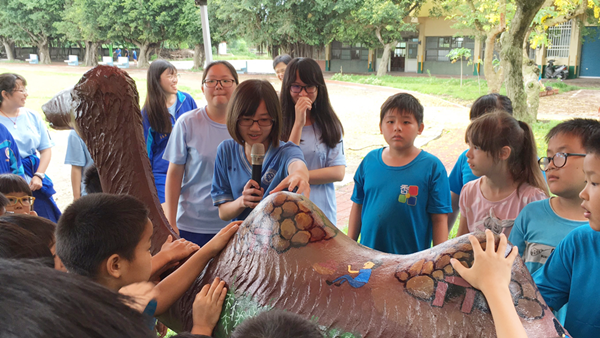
(440, 228)
(207, 307)
(491, 273)
(76, 181)
(172, 192)
(173, 287)
(463, 228)
(250, 198)
(297, 178)
(327, 175)
(355, 221)
(170, 254)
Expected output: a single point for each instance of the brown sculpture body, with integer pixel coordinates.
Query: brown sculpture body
(287, 255)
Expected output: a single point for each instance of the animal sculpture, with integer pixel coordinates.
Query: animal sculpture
(287, 255)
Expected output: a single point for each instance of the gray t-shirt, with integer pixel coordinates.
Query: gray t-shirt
(193, 143)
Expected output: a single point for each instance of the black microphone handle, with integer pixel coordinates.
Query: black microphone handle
(256, 173)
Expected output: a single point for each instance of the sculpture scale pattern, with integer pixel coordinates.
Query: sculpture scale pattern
(287, 255)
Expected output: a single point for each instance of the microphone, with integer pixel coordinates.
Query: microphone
(258, 155)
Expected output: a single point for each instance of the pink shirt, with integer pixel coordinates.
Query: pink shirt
(497, 216)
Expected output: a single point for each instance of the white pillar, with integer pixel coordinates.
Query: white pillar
(206, 34)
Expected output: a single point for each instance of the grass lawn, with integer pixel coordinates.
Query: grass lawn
(448, 88)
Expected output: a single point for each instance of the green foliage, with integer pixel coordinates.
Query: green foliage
(30, 20)
(459, 54)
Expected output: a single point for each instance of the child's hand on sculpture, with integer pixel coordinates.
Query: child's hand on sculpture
(217, 243)
(207, 307)
(178, 249)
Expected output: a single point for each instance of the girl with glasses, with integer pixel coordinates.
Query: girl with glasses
(191, 151)
(164, 105)
(310, 122)
(503, 154)
(33, 141)
(254, 116)
(18, 193)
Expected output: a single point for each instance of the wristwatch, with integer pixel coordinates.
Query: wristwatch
(40, 175)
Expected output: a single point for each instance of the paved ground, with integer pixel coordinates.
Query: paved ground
(358, 108)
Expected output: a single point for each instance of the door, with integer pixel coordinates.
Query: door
(590, 63)
(398, 58)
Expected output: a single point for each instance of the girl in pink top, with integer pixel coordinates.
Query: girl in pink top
(502, 151)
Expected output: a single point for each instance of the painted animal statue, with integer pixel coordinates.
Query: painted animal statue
(287, 255)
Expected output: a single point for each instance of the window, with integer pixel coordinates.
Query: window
(343, 51)
(560, 39)
(438, 47)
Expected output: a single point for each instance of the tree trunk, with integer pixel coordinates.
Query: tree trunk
(511, 56)
(8, 46)
(91, 53)
(144, 57)
(494, 78)
(198, 56)
(44, 51)
(385, 59)
(531, 74)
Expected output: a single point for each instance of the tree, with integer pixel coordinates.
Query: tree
(81, 23)
(485, 19)
(378, 23)
(143, 23)
(458, 54)
(35, 18)
(511, 55)
(9, 35)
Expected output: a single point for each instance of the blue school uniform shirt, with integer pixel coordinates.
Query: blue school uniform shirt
(78, 155)
(156, 142)
(194, 143)
(397, 202)
(233, 171)
(10, 160)
(318, 155)
(461, 174)
(570, 275)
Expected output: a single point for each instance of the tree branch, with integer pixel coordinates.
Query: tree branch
(579, 10)
(478, 24)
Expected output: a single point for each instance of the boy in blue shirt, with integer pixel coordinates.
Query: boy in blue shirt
(570, 272)
(401, 194)
(80, 159)
(543, 224)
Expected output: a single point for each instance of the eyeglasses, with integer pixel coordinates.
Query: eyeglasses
(559, 160)
(174, 77)
(25, 201)
(298, 89)
(224, 83)
(245, 122)
(24, 90)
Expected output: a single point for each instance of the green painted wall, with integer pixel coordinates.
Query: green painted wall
(349, 66)
(448, 68)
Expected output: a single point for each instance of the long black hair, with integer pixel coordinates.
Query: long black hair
(156, 104)
(322, 112)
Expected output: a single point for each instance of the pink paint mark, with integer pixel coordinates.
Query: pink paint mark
(467, 304)
(457, 281)
(440, 294)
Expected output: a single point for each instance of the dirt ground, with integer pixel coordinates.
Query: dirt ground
(358, 107)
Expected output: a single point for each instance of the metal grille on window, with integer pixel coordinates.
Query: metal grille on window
(560, 39)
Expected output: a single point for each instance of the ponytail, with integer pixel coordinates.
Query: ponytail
(529, 171)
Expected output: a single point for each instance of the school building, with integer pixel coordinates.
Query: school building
(425, 50)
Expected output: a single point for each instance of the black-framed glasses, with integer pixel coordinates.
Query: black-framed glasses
(224, 83)
(297, 89)
(25, 201)
(559, 160)
(247, 122)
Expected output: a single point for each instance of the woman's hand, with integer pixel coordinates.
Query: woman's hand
(35, 183)
(302, 105)
(251, 195)
(295, 182)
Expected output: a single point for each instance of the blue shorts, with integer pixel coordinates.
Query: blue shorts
(200, 239)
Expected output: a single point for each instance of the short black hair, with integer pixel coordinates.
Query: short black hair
(18, 243)
(276, 324)
(580, 128)
(281, 58)
(38, 301)
(3, 201)
(592, 146)
(96, 226)
(13, 183)
(405, 104)
(490, 103)
(39, 226)
(91, 179)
